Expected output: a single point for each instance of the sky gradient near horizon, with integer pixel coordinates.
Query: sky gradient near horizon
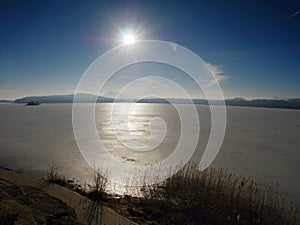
(252, 46)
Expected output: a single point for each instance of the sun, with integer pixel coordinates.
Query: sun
(129, 39)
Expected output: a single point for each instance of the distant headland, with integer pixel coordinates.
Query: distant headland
(286, 103)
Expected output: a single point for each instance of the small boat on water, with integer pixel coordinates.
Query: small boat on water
(31, 103)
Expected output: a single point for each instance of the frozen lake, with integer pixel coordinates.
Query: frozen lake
(259, 142)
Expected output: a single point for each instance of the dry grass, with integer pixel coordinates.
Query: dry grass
(223, 198)
(53, 175)
(214, 196)
(98, 189)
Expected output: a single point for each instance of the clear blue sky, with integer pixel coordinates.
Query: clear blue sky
(254, 46)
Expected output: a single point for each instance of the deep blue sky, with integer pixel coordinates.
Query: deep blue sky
(46, 46)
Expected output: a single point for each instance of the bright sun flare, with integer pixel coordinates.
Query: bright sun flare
(129, 39)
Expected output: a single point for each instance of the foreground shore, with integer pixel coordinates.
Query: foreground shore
(85, 210)
(211, 197)
(30, 205)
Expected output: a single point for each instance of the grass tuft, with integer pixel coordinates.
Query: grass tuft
(53, 175)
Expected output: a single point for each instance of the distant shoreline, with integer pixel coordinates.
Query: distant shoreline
(244, 106)
(288, 103)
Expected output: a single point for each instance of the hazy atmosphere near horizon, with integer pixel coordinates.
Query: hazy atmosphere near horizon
(154, 112)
